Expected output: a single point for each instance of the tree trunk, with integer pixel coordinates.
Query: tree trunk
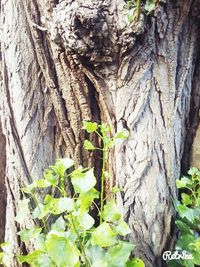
(68, 61)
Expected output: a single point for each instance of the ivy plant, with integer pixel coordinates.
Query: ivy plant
(134, 8)
(65, 233)
(188, 221)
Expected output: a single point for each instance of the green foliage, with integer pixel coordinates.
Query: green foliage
(134, 8)
(188, 221)
(65, 235)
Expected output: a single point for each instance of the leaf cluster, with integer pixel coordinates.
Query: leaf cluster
(65, 234)
(188, 221)
(133, 8)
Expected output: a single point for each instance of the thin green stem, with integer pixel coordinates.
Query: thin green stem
(87, 263)
(138, 5)
(37, 204)
(103, 181)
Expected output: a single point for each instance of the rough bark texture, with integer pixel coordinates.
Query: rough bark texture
(65, 61)
(2, 185)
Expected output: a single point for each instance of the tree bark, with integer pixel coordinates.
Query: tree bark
(68, 61)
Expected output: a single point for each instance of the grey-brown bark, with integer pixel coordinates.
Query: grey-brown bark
(65, 61)
(2, 185)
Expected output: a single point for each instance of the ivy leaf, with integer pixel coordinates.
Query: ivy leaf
(85, 220)
(42, 183)
(186, 199)
(27, 234)
(83, 181)
(184, 241)
(130, 16)
(183, 227)
(85, 199)
(90, 127)
(58, 205)
(30, 258)
(59, 224)
(96, 255)
(116, 189)
(37, 258)
(111, 212)
(122, 228)
(192, 171)
(150, 5)
(62, 165)
(135, 262)
(105, 128)
(118, 255)
(51, 177)
(23, 211)
(28, 189)
(88, 145)
(186, 212)
(40, 211)
(62, 251)
(103, 236)
(124, 134)
(183, 182)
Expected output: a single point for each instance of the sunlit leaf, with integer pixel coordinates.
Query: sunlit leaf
(103, 236)
(118, 255)
(90, 127)
(83, 181)
(122, 228)
(62, 251)
(150, 5)
(111, 212)
(88, 145)
(23, 211)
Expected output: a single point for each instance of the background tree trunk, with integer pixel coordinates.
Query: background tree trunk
(68, 61)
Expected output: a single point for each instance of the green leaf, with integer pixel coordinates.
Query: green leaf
(111, 212)
(186, 199)
(30, 258)
(59, 224)
(85, 221)
(183, 227)
(51, 177)
(135, 262)
(122, 228)
(192, 171)
(40, 211)
(183, 182)
(28, 189)
(186, 212)
(105, 128)
(62, 165)
(58, 205)
(90, 127)
(150, 5)
(27, 234)
(23, 212)
(118, 255)
(37, 259)
(62, 251)
(83, 181)
(88, 145)
(184, 241)
(42, 183)
(1, 257)
(124, 134)
(96, 255)
(85, 200)
(103, 236)
(116, 189)
(130, 16)
(109, 142)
